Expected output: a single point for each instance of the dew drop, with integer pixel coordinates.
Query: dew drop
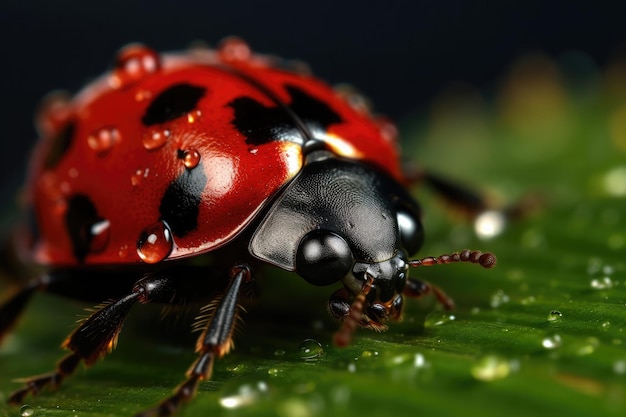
(243, 395)
(619, 367)
(237, 368)
(234, 49)
(605, 325)
(355, 99)
(419, 361)
(53, 112)
(138, 177)
(274, 371)
(554, 315)
(615, 181)
(103, 140)
(369, 354)
(155, 243)
(552, 342)
(352, 367)
(133, 63)
(491, 368)
(27, 411)
(155, 139)
(193, 116)
(586, 347)
(499, 298)
(311, 350)
(100, 233)
(437, 318)
(388, 130)
(603, 283)
(122, 252)
(298, 407)
(489, 224)
(191, 158)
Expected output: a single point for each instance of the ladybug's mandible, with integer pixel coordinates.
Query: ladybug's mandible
(230, 159)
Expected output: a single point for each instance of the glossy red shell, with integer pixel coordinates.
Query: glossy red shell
(102, 170)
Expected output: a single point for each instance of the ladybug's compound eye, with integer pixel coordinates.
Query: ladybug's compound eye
(323, 257)
(411, 231)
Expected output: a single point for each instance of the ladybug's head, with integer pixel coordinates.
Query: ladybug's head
(343, 221)
(372, 292)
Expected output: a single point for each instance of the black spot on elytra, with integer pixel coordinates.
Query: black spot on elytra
(180, 205)
(261, 124)
(172, 103)
(60, 145)
(81, 215)
(313, 112)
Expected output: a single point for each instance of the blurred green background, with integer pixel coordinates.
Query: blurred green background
(541, 334)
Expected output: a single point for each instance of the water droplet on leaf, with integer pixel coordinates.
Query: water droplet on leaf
(26, 411)
(491, 368)
(437, 318)
(499, 298)
(552, 342)
(243, 395)
(489, 224)
(554, 315)
(603, 283)
(311, 350)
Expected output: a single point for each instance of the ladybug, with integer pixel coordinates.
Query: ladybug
(172, 177)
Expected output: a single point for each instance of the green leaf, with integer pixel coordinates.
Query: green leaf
(543, 333)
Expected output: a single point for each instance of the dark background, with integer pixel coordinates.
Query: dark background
(400, 53)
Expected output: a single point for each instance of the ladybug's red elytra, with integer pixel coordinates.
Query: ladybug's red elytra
(237, 158)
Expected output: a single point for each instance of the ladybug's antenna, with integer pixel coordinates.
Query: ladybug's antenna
(343, 336)
(486, 259)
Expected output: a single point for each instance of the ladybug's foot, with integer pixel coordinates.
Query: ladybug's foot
(169, 406)
(34, 384)
(214, 342)
(417, 289)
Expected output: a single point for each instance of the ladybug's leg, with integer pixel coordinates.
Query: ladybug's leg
(97, 335)
(415, 288)
(10, 310)
(470, 201)
(214, 342)
(66, 282)
(452, 192)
